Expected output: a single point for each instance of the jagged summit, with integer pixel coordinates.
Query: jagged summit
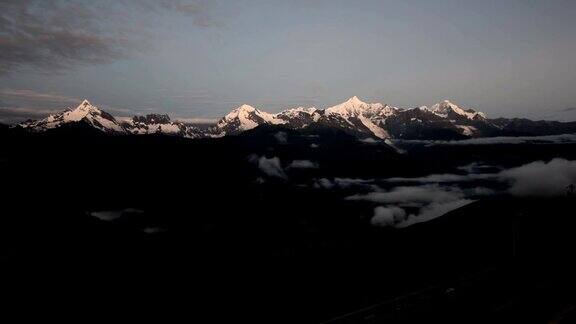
(84, 109)
(354, 101)
(241, 111)
(447, 108)
(83, 113)
(294, 112)
(160, 124)
(244, 118)
(245, 107)
(353, 107)
(152, 119)
(351, 102)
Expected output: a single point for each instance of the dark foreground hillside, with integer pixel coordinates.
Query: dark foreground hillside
(192, 229)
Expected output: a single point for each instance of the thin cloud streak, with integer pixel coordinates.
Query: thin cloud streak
(563, 138)
(26, 94)
(52, 35)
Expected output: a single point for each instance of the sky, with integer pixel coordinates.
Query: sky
(198, 59)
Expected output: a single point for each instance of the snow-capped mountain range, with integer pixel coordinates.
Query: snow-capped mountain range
(90, 115)
(365, 120)
(354, 116)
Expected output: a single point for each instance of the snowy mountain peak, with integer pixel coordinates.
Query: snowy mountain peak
(244, 118)
(355, 101)
(446, 107)
(245, 107)
(85, 109)
(84, 112)
(242, 111)
(443, 106)
(352, 106)
(85, 103)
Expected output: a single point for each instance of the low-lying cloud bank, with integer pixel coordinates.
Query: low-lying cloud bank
(538, 178)
(412, 196)
(548, 139)
(343, 183)
(432, 201)
(541, 179)
(437, 194)
(110, 215)
(420, 199)
(434, 210)
(397, 217)
(442, 178)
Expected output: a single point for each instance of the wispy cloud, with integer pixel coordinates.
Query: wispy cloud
(201, 11)
(20, 104)
(344, 183)
(8, 114)
(271, 167)
(441, 178)
(413, 195)
(323, 183)
(50, 35)
(31, 95)
(563, 138)
(303, 164)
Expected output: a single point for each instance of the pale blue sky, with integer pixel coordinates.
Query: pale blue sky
(203, 58)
